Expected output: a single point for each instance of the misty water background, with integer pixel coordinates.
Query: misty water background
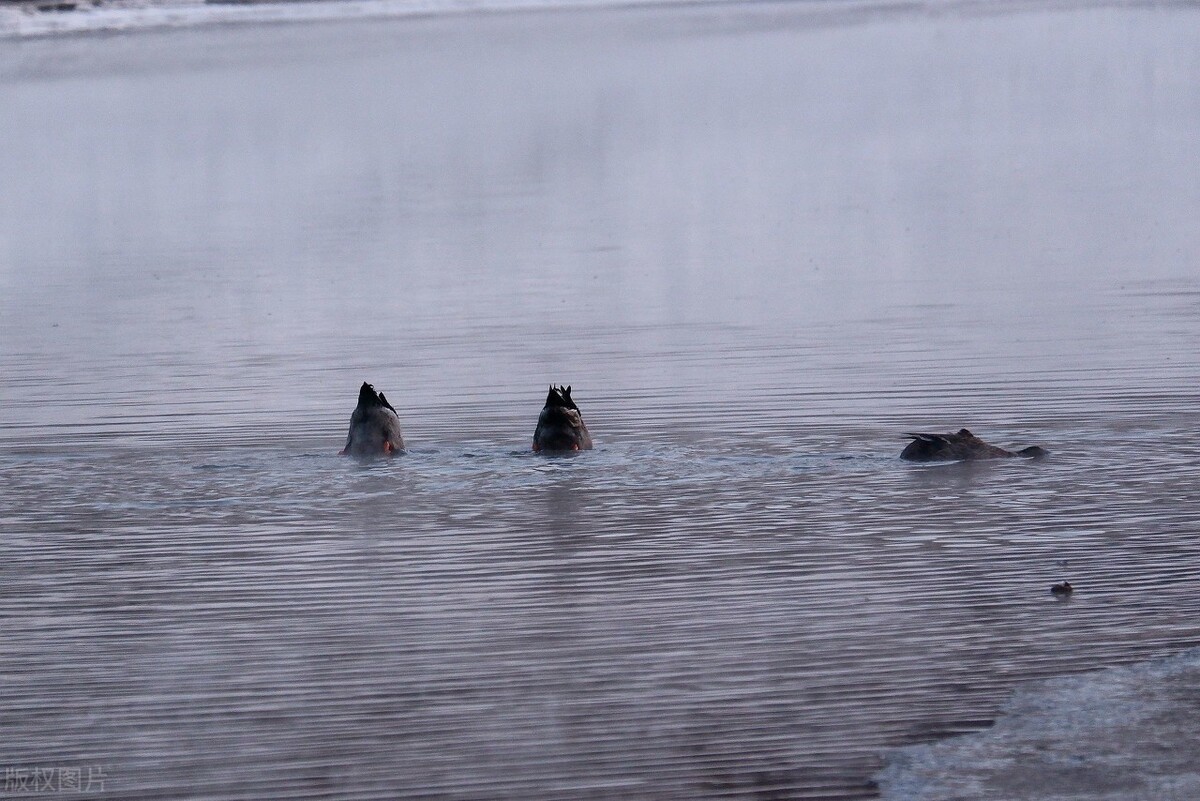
(761, 242)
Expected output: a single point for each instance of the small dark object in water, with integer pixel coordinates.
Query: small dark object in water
(959, 446)
(374, 426)
(560, 426)
(67, 6)
(1061, 590)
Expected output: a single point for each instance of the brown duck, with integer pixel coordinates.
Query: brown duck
(560, 426)
(959, 447)
(374, 426)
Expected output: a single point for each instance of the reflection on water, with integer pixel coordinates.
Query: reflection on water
(760, 245)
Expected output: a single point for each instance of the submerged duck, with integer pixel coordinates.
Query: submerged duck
(960, 446)
(374, 426)
(1061, 589)
(560, 426)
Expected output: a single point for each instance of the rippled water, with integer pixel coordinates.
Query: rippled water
(760, 243)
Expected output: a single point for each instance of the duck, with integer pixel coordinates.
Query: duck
(560, 426)
(1061, 589)
(962, 445)
(374, 426)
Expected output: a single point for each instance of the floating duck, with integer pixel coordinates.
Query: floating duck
(374, 426)
(1061, 590)
(560, 426)
(960, 446)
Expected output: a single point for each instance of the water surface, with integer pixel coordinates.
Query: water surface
(761, 243)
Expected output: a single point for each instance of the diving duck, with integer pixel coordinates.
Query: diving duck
(374, 426)
(560, 426)
(1062, 590)
(961, 446)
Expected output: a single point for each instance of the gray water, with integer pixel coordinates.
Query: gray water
(760, 242)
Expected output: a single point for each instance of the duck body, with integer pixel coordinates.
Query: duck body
(560, 426)
(374, 426)
(959, 446)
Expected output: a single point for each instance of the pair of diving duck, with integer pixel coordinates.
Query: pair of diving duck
(375, 431)
(375, 427)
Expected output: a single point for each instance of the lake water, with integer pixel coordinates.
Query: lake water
(761, 242)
